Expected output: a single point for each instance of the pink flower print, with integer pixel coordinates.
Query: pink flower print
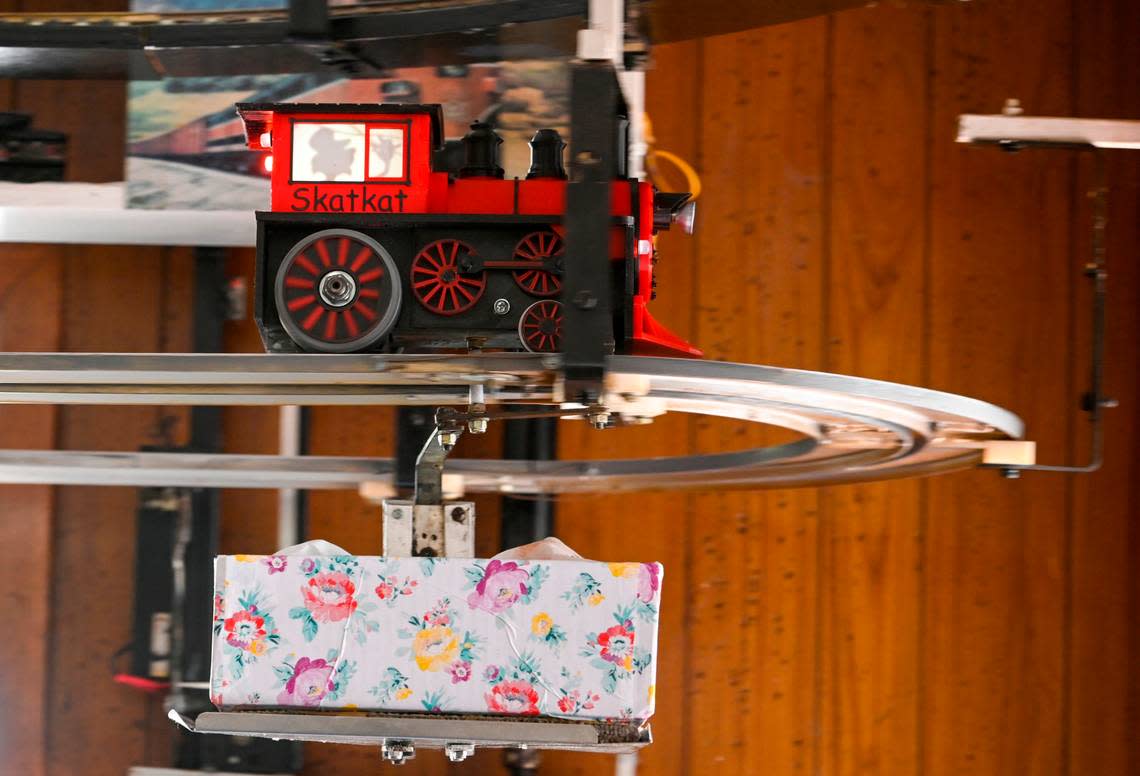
(502, 585)
(308, 684)
(491, 673)
(308, 565)
(460, 671)
(330, 596)
(566, 704)
(648, 581)
(276, 563)
(384, 590)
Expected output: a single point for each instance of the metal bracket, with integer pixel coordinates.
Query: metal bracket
(1013, 132)
(598, 117)
(403, 519)
(427, 526)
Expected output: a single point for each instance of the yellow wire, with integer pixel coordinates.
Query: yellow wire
(654, 154)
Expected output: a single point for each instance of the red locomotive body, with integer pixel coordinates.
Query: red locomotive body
(373, 244)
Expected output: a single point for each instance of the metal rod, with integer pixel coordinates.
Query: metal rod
(1093, 401)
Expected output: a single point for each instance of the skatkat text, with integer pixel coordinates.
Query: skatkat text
(359, 199)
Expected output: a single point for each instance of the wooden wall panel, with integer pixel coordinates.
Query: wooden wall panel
(1103, 635)
(29, 320)
(752, 608)
(112, 300)
(1000, 277)
(876, 288)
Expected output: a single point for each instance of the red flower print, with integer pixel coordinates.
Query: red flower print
(330, 596)
(513, 697)
(566, 704)
(384, 590)
(243, 630)
(617, 645)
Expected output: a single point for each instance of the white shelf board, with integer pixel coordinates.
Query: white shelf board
(93, 214)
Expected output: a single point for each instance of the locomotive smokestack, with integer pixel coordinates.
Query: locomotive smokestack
(546, 155)
(481, 153)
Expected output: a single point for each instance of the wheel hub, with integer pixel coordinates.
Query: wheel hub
(337, 288)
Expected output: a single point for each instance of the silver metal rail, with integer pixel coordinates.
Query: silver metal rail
(849, 428)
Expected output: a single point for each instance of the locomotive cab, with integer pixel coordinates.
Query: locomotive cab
(372, 244)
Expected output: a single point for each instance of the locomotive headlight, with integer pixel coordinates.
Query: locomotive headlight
(686, 217)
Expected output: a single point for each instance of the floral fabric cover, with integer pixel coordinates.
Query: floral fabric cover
(560, 638)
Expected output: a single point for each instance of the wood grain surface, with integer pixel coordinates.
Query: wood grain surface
(963, 624)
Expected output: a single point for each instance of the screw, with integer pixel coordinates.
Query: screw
(501, 307)
(458, 515)
(477, 425)
(599, 419)
(457, 753)
(397, 514)
(585, 300)
(1011, 473)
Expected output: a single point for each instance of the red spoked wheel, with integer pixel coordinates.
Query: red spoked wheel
(337, 291)
(540, 327)
(438, 282)
(538, 247)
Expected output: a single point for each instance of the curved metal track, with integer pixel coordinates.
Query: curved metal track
(372, 35)
(849, 428)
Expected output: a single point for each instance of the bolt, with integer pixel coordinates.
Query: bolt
(1011, 473)
(397, 752)
(459, 515)
(599, 419)
(457, 753)
(477, 425)
(501, 307)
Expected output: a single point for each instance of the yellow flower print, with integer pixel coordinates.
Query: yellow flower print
(624, 569)
(256, 647)
(541, 624)
(435, 648)
(403, 692)
(595, 599)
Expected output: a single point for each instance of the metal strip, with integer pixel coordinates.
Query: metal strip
(430, 732)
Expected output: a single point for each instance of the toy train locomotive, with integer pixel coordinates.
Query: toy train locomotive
(374, 243)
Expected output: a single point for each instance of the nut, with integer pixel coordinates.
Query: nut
(501, 307)
(477, 425)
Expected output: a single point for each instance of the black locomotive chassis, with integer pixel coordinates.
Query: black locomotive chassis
(493, 237)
